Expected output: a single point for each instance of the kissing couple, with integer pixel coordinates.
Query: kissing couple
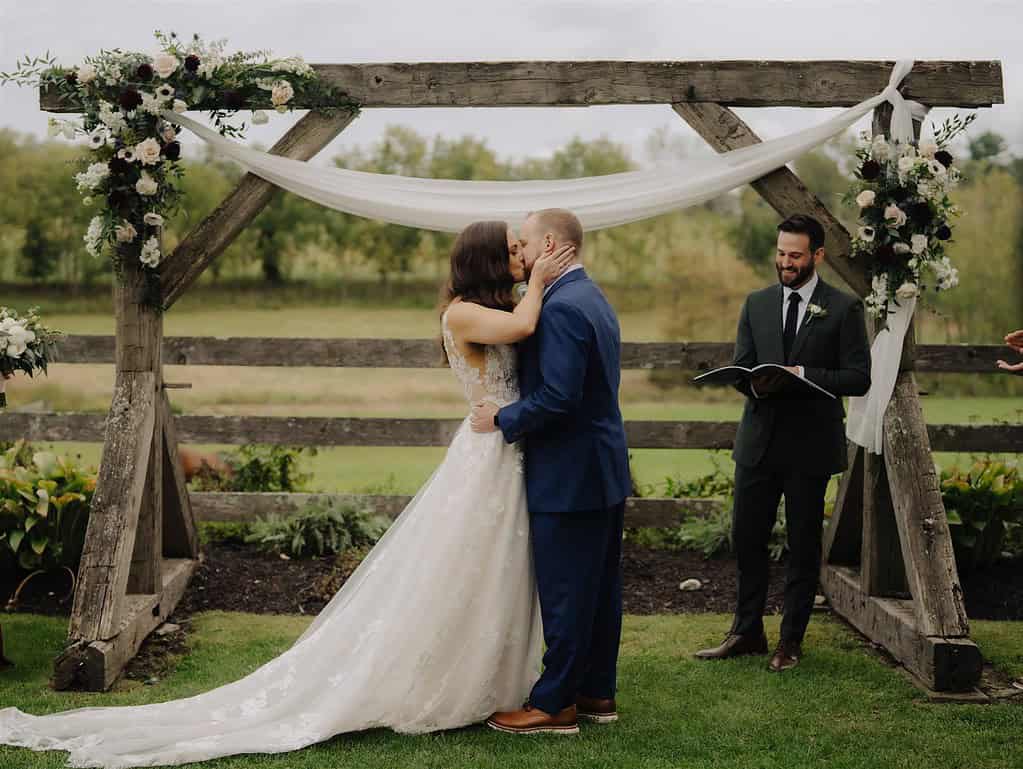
(509, 555)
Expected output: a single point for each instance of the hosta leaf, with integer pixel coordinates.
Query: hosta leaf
(14, 539)
(30, 521)
(39, 542)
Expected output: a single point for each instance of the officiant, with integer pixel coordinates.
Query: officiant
(789, 445)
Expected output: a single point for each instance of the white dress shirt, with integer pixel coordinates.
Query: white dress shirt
(805, 294)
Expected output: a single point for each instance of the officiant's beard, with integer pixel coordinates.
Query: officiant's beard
(796, 279)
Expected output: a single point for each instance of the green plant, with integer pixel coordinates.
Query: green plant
(256, 468)
(984, 504)
(715, 484)
(44, 508)
(327, 529)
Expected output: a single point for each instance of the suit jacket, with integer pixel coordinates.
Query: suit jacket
(808, 431)
(569, 375)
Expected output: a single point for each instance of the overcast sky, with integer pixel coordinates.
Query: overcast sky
(474, 30)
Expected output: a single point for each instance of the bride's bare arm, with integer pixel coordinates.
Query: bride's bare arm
(471, 322)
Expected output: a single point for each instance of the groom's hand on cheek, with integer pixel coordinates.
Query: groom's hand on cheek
(482, 418)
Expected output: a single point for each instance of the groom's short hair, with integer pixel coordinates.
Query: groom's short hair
(564, 224)
(801, 224)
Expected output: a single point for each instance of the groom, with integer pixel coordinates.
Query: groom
(790, 445)
(577, 479)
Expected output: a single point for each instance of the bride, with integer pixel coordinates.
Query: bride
(438, 627)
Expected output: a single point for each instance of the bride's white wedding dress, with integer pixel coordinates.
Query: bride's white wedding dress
(436, 629)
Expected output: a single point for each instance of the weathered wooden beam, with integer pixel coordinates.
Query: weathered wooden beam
(424, 353)
(350, 431)
(920, 514)
(782, 189)
(110, 535)
(96, 665)
(829, 83)
(844, 535)
(882, 572)
(218, 230)
(246, 506)
(943, 664)
(180, 539)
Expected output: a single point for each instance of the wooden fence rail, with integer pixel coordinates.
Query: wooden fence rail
(351, 431)
(425, 353)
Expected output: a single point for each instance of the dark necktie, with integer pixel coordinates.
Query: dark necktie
(791, 319)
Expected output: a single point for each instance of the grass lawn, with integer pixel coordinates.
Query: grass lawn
(841, 708)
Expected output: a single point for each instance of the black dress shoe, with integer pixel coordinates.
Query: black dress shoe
(785, 657)
(735, 646)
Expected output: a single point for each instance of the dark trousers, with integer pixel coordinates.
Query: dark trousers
(578, 561)
(758, 490)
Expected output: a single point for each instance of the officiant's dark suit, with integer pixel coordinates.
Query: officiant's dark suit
(790, 445)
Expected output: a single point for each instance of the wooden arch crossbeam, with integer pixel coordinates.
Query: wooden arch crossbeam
(889, 567)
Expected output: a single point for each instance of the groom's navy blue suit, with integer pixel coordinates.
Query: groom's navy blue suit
(577, 479)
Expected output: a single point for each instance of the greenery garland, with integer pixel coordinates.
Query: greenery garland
(133, 169)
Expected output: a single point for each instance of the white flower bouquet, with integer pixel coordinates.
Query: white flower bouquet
(25, 345)
(902, 191)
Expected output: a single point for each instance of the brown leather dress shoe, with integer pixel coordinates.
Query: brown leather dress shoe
(785, 657)
(735, 646)
(530, 720)
(596, 710)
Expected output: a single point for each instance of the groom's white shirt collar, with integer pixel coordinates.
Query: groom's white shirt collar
(573, 268)
(805, 294)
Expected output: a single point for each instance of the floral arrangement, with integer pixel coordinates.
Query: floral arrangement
(25, 345)
(134, 150)
(902, 191)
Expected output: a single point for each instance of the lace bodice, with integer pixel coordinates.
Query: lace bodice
(498, 382)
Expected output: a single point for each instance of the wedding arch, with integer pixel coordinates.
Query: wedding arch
(888, 567)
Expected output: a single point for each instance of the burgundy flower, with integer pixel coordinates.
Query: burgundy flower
(885, 253)
(172, 150)
(144, 72)
(233, 99)
(117, 198)
(943, 232)
(921, 213)
(118, 166)
(71, 78)
(944, 157)
(130, 98)
(192, 63)
(870, 170)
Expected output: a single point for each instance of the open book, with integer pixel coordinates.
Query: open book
(784, 382)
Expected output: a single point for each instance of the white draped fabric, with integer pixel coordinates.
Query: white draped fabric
(600, 201)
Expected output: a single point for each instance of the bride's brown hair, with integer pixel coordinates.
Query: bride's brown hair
(480, 269)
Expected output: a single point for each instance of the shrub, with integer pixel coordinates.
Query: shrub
(256, 468)
(44, 508)
(318, 530)
(985, 511)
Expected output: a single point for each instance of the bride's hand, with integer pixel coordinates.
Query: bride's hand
(549, 267)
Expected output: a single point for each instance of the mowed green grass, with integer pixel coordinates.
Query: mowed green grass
(842, 708)
(317, 391)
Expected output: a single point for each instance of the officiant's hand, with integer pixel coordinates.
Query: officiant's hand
(482, 418)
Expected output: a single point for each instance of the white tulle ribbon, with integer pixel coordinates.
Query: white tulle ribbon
(600, 201)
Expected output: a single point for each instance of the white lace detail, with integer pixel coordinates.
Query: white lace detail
(499, 382)
(436, 629)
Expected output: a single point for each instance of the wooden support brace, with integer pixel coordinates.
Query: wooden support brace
(218, 230)
(844, 535)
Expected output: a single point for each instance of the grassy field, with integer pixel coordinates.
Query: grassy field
(394, 392)
(842, 708)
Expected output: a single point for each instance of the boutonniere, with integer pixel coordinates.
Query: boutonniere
(815, 311)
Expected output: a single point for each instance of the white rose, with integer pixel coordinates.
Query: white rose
(153, 219)
(125, 233)
(865, 198)
(879, 149)
(259, 117)
(866, 234)
(179, 106)
(901, 248)
(86, 74)
(148, 151)
(281, 93)
(168, 133)
(150, 255)
(907, 290)
(895, 214)
(928, 149)
(906, 163)
(146, 185)
(164, 64)
(919, 243)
